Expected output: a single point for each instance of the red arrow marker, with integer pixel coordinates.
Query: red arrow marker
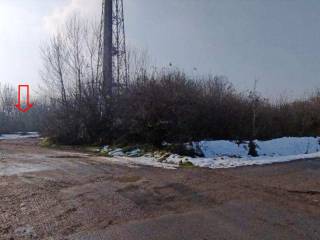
(24, 105)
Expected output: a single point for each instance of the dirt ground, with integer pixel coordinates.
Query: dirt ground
(65, 194)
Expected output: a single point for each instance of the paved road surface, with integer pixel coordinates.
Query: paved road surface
(64, 194)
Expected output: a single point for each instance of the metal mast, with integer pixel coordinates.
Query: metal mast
(115, 65)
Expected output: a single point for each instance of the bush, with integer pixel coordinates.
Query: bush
(170, 107)
(252, 149)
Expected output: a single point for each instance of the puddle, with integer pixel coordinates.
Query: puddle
(17, 168)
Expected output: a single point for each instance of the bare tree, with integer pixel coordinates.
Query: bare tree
(54, 72)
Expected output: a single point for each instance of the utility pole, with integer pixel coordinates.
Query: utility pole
(115, 65)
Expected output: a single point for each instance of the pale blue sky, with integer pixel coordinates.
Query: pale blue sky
(275, 41)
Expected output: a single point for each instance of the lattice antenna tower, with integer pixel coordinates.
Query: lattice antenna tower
(115, 64)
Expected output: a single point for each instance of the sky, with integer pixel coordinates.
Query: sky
(274, 41)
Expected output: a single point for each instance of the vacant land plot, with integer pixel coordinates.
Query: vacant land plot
(59, 194)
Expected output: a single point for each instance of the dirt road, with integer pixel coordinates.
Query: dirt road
(59, 194)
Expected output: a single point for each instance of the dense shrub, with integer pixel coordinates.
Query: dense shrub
(163, 106)
(170, 107)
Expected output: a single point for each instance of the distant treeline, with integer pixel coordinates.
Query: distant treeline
(11, 120)
(157, 106)
(163, 107)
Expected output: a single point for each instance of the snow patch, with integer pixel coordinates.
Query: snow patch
(229, 162)
(286, 146)
(222, 148)
(226, 154)
(14, 136)
(116, 153)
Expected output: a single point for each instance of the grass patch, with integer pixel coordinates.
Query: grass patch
(186, 164)
(91, 149)
(48, 143)
(105, 152)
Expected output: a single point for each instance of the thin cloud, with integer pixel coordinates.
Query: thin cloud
(87, 9)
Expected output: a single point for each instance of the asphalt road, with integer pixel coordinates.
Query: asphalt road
(65, 194)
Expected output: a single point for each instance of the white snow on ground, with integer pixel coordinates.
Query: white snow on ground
(231, 162)
(288, 146)
(173, 161)
(222, 148)
(117, 153)
(13, 136)
(276, 147)
(229, 154)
